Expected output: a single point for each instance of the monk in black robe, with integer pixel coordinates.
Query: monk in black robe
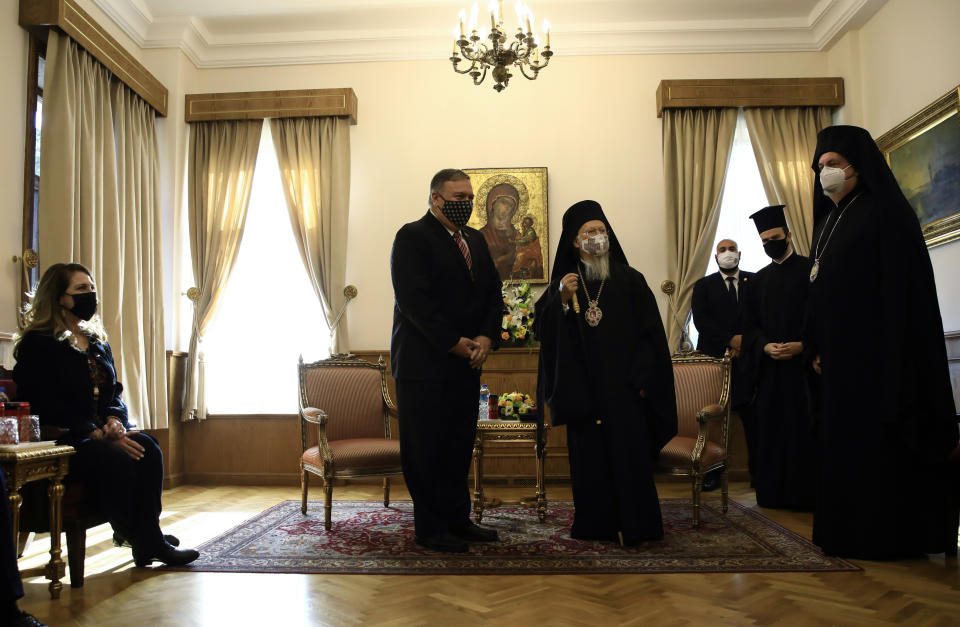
(605, 373)
(886, 423)
(773, 324)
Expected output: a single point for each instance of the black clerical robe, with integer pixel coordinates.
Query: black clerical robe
(886, 419)
(785, 451)
(612, 386)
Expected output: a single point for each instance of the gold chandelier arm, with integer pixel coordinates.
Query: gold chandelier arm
(456, 60)
(523, 71)
(478, 77)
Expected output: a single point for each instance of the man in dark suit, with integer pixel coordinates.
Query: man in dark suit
(716, 313)
(716, 302)
(447, 314)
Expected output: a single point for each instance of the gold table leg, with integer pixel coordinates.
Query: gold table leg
(478, 477)
(541, 487)
(54, 570)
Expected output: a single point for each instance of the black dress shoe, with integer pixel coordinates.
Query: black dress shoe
(443, 542)
(168, 554)
(119, 540)
(711, 482)
(475, 533)
(26, 620)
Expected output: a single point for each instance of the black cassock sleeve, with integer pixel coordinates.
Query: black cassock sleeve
(652, 370)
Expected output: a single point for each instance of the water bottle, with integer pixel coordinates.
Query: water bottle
(484, 413)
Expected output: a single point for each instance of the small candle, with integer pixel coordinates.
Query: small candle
(463, 16)
(529, 30)
(546, 28)
(454, 47)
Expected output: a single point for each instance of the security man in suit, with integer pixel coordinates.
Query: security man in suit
(447, 313)
(716, 313)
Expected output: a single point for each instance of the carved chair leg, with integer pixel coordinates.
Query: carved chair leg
(697, 488)
(327, 502)
(724, 490)
(76, 552)
(304, 484)
(386, 491)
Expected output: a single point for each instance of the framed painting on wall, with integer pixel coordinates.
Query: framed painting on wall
(510, 210)
(924, 154)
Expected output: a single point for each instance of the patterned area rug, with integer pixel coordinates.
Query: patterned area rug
(368, 538)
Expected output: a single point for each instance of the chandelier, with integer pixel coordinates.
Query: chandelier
(498, 56)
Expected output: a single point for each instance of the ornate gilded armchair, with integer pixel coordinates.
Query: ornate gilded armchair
(345, 411)
(703, 423)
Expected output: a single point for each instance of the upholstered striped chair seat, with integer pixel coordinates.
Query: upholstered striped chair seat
(676, 454)
(358, 455)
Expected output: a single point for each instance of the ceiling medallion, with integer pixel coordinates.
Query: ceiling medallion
(497, 56)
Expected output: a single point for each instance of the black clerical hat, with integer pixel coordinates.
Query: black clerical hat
(565, 260)
(769, 218)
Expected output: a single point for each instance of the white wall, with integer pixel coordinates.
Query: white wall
(590, 120)
(903, 59)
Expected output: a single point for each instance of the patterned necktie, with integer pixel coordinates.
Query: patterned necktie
(732, 288)
(463, 249)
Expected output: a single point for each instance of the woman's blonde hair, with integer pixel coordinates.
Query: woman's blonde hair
(44, 313)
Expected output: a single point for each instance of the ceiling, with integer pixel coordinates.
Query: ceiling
(236, 33)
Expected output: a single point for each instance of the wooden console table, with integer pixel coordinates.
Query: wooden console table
(29, 462)
(507, 431)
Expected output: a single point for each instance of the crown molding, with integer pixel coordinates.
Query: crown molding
(826, 22)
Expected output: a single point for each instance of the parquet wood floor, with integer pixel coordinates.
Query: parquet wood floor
(916, 592)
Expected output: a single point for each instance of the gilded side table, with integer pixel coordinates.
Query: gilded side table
(30, 462)
(508, 431)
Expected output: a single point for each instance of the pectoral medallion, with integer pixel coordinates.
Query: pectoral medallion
(815, 270)
(593, 315)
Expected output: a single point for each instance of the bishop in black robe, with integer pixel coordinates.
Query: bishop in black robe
(610, 383)
(886, 419)
(773, 324)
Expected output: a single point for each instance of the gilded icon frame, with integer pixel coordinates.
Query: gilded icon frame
(924, 154)
(518, 238)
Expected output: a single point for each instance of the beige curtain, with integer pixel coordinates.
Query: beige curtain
(696, 147)
(784, 139)
(314, 156)
(221, 163)
(100, 205)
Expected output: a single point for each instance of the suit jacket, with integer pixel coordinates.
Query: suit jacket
(437, 300)
(714, 314)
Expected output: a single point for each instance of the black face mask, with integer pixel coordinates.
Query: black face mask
(775, 248)
(457, 211)
(84, 305)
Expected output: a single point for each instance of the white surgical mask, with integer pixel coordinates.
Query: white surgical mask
(728, 260)
(597, 245)
(832, 179)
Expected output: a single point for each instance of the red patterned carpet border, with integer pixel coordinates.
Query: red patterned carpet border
(368, 538)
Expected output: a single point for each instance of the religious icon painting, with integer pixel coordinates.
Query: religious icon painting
(510, 210)
(924, 154)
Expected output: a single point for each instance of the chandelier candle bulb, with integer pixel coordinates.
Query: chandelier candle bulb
(546, 30)
(463, 16)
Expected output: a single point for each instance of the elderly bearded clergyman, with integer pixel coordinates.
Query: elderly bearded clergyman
(605, 373)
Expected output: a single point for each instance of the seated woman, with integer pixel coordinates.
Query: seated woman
(65, 371)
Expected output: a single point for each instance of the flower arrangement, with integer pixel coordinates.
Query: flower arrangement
(515, 406)
(517, 326)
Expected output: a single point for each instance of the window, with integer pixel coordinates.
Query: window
(269, 314)
(742, 196)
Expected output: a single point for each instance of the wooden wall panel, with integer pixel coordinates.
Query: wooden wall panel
(67, 16)
(255, 105)
(749, 92)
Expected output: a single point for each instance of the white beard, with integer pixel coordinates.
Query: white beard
(596, 268)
